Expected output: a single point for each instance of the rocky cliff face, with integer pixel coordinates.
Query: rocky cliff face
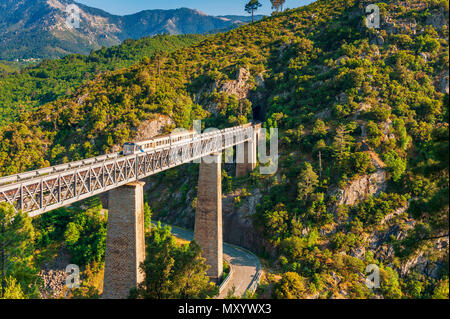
(151, 128)
(238, 87)
(238, 226)
(363, 186)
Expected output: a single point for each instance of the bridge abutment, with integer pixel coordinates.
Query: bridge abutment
(208, 215)
(125, 240)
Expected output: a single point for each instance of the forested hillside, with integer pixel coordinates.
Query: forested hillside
(363, 120)
(8, 67)
(51, 79)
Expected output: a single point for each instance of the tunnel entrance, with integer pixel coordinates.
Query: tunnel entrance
(258, 114)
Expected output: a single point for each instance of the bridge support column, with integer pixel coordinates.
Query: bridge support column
(125, 240)
(208, 215)
(245, 158)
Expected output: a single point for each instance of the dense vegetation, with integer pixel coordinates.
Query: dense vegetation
(350, 103)
(173, 270)
(34, 86)
(8, 67)
(18, 274)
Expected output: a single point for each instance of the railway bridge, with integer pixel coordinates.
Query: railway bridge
(37, 192)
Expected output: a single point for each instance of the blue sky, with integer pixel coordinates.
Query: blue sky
(212, 7)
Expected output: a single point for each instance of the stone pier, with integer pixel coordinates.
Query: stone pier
(208, 216)
(125, 240)
(245, 158)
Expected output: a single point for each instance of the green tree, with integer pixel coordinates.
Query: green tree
(189, 275)
(290, 286)
(277, 223)
(277, 4)
(252, 6)
(390, 285)
(160, 58)
(319, 129)
(307, 181)
(342, 142)
(12, 290)
(172, 271)
(441, 290)
(157, 266)
(85, 237)
(16, 252)
(147, 216)
(396, 164)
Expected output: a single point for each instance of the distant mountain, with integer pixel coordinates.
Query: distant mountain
(38, 28)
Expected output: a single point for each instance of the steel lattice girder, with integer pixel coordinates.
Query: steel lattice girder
(62, 185)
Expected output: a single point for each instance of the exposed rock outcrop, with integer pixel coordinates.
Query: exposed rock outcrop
(362, 187)
(54, 275)
(238, 87)
(442, 83)
(242, 87)
(425, 264)
(438, 19)
(152, 128)
(237, 223)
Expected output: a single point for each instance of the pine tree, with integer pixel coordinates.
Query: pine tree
(342, 142)
(277, 5)
(319, 128)
(159, 56)
(252, 6)
(307, 181)
(147, 216)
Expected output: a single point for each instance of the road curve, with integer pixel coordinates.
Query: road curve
(246, 266)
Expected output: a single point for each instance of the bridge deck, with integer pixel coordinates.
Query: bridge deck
(46, 189)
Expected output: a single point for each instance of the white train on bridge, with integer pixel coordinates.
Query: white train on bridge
(130, 148)
(169, 140)
(45, 189)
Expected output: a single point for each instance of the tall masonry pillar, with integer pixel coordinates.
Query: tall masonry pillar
(125, 240)
(246, 157)
(208, 215)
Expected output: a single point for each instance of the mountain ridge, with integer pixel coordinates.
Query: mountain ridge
(38, 29)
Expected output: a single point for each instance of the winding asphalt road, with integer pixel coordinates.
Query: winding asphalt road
(245, 265)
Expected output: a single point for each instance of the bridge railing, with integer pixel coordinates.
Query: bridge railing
(46, 189)
(55, 169)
